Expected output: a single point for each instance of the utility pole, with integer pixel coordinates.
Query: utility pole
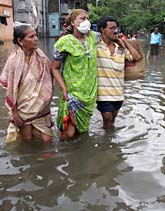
(44, 10)
(159, 4)
(59, 6)
(149, 4)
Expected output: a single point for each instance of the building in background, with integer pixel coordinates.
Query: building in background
(6, 20)
(57, 12)
(47, 16)
(32, 12)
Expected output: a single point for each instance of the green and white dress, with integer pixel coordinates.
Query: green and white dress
(79, 72)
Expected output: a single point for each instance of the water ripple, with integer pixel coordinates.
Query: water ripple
(118, 169)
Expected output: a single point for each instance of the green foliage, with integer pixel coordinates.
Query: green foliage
(132, 15)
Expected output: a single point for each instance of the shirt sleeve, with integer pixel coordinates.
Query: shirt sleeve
(57, 55)
(98, 36)
(160, 40)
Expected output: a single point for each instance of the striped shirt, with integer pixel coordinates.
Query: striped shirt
(111, 72)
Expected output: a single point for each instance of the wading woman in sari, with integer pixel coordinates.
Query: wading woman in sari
(27, 79)
(74, 68)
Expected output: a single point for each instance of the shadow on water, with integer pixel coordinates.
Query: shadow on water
(122, 169)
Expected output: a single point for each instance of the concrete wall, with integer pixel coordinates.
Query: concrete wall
(6, 12)
(7, 2)
(23, 12)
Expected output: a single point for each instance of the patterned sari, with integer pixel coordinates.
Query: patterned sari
(80, 76)
(29, 89)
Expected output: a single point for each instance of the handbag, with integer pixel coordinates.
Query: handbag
(135, 69)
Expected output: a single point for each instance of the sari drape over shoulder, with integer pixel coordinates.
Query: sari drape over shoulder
(28, 88)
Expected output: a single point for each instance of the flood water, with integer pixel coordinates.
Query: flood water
(117, 170)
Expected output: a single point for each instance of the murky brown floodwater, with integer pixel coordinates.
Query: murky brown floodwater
(117, 170)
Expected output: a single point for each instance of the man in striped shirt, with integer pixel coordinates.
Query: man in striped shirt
(111, 55)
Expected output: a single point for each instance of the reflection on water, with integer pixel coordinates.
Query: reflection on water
(121, 169)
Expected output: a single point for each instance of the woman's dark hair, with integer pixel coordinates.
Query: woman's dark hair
(102, 22)
(19, 32)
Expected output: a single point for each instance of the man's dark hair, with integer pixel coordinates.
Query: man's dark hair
(102, 22)
(156, 26)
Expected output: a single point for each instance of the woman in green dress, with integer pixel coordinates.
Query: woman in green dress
(74, 68)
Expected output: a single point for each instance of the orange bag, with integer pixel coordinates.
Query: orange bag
(135, 69)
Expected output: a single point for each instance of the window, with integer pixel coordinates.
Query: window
(3, 20)
(77, 5)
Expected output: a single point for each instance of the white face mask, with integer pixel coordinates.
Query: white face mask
(84, 27)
